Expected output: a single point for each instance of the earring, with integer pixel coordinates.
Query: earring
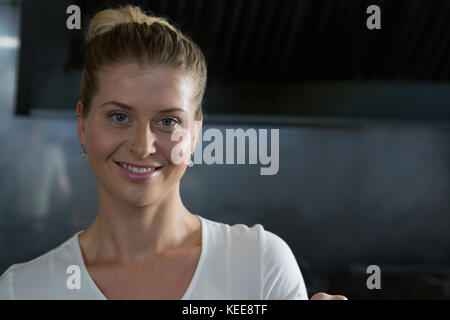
(83, 151)
(191, 163)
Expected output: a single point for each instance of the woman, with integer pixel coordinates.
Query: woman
(141, 92)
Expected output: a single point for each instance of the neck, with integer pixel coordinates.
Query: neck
(123, 233)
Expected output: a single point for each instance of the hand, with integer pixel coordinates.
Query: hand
(324, 296)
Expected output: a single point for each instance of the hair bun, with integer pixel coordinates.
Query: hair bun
(107, 19)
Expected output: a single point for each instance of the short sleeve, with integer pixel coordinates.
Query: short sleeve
(6, 289)
(280, 272)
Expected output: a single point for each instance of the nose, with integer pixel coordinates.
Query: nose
(143, 141)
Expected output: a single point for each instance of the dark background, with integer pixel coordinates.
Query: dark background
(364, 120)
(290, 58)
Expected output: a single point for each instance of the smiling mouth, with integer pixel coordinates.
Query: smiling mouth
(136, 169)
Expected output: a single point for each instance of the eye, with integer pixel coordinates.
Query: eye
(167, 122)
(119, 117)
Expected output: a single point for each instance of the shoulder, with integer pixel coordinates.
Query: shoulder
(233, 247)
(256, 236)
(281, 274)
(29, 278)
(258, 254)
(238, 235)
(274, 248)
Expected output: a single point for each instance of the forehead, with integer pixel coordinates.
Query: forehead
(144, 87)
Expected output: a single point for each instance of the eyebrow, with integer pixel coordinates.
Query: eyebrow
(127, 107)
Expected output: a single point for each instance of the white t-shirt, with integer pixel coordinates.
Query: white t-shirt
(236, 262)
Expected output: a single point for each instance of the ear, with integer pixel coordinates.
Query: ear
(197, 131)
(81, 123)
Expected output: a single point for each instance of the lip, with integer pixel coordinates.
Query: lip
(139, 165)
(139, 176)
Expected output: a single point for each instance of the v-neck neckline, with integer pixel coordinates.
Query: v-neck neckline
(188, 291)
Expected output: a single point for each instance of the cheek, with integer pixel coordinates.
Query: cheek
(168, 148)
(178, 150)
(101, 142)
(177, 153)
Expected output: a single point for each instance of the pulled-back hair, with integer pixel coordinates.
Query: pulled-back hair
(128, 35)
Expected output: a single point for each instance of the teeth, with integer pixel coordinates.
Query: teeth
(137, 170)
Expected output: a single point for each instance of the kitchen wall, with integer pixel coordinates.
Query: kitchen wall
(345, 197)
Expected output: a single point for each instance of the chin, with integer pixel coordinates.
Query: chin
(134, 197)
(140, 201)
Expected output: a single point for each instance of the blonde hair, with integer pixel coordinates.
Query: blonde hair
(128, 35)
